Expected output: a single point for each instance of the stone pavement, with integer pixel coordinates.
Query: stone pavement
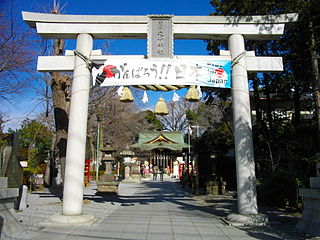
(148, 210)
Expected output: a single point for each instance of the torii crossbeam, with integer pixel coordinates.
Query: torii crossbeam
(160, 30)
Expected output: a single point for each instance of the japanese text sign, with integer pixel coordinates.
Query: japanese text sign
(209, 73)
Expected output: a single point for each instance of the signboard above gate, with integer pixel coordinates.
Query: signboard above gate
(160, 36)
(214, 73)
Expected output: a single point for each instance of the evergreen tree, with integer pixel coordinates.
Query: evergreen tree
(279, 138)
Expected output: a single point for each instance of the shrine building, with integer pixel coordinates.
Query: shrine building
(166, 148)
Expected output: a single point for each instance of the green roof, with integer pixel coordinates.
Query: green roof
(160, 140)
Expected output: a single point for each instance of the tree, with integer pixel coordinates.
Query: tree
(215, 141)
(176, 120)
(16, 55)
(119, 122)
(154, 122)
(2, 121)
(36, 137)
(274, 131)
(60, 95)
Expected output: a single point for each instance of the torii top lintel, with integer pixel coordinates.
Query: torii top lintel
(136, 27)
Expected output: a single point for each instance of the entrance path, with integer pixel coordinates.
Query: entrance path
(150, 210)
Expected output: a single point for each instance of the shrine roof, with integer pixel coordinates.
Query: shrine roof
(161, 140)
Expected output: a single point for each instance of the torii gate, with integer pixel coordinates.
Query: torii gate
(85, 28)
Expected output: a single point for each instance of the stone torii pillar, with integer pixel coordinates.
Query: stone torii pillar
(245, 166)
(77, 135)
(231, 28)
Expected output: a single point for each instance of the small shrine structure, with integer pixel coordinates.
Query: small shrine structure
(165, 147)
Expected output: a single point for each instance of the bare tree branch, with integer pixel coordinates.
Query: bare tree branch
(16, 56)
(176, 119)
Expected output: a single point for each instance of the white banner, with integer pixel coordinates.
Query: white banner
(209, 73)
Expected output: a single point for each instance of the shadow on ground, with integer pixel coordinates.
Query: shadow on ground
(281, 223)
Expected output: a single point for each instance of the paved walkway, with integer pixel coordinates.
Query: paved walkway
(149, 210)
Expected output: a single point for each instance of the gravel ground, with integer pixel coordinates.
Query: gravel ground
(281, 223)
(43, 204)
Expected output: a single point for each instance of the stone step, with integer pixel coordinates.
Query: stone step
(3, 182)
(315, 182)
(9, 193)
(7, 198)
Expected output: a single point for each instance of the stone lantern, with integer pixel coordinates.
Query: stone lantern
(107, 181)
(127, 157)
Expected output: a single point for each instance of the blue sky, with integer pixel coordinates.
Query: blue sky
(116, 46)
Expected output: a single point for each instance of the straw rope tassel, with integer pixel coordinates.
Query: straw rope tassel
(126, 95)
(161, 107)
(192, 95)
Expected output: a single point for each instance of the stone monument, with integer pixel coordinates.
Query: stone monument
(9, 224)
(310, 218)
